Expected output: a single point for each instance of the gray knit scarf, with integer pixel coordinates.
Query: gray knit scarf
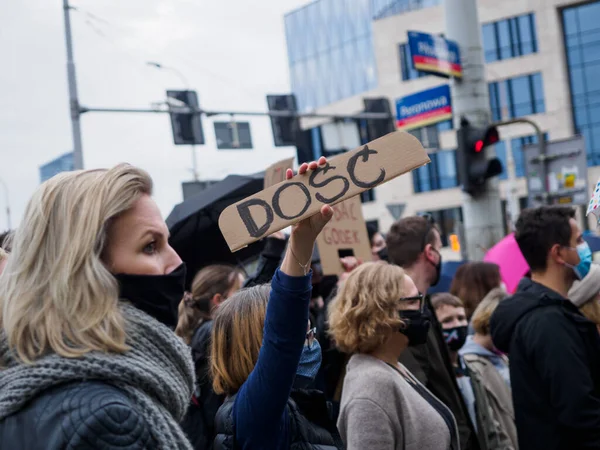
(157, 374)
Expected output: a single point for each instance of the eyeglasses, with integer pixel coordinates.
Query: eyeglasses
(310, 336)
(430, 224)
(415, 298)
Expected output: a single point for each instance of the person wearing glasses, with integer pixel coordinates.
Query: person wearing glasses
(260, 346)
(414, 243)
(376, 316)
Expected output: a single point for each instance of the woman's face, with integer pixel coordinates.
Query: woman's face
(377, 244)
(138, 242)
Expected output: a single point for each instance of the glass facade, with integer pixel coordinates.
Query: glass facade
(330, 47)
(581, 26)
(520, 96)
(509, 38)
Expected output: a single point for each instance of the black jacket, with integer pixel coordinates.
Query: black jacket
(554, 367)
(430, 364)
(87, 415)
(199, 421)
(311, 424)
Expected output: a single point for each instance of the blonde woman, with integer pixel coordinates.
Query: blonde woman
(376, 315)
(259, 345)
(490, 378)
(585, 294)
(89, 297)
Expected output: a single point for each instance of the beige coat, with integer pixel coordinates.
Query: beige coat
(496, 429)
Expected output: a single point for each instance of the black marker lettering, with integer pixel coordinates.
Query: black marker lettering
(324, 183)
(246, 216)
(277, 195)
(365, 152)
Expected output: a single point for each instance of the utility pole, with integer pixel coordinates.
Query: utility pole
(482, 214)
(73, 98)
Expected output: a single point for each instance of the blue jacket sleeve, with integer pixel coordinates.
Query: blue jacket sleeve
(259, 407)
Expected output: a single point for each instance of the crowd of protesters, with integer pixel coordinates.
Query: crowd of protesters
(102, 346)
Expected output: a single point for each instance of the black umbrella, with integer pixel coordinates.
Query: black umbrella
(194, 224)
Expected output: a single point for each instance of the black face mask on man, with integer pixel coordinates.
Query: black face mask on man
(416, 326)
(157, 295)
(455, 337)
(438, 268)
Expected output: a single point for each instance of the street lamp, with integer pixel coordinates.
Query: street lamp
(186, 84)
(6, 197)
(183, 79)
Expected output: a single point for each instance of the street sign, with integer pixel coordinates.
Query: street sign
(233, 135)
(63, 163)
(566, 166)
(187, 128)
(424, 108)
(396, 209)
(434, 54)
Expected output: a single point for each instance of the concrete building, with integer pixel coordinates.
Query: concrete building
(542, 62)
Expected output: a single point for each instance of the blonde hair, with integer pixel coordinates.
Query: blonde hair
(591, 310)
(365, 310)
(208, 282)
(3, 254)
(481, 316)
(237, 337)
(57, 294)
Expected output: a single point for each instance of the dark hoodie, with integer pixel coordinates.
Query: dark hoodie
(554, 368)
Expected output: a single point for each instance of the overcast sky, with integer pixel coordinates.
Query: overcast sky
(233, 53)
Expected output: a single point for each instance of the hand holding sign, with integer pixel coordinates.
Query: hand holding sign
(343, 177)
(296, 261)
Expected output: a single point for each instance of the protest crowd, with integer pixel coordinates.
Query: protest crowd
(103, 344)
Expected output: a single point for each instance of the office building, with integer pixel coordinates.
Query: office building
(542, 62)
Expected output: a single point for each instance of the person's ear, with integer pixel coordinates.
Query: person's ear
(557, 253)
(216, 300)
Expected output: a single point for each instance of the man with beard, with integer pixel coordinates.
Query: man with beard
(554, 350)
(414, 243)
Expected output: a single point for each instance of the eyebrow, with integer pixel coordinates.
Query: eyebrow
(154, 232)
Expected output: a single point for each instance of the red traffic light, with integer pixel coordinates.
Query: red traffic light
(479, 146)
(490, 137)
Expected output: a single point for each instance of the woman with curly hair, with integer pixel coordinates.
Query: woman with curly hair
(376, 315)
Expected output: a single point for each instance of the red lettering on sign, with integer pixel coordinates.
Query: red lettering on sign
(336, 236)
(341, 211)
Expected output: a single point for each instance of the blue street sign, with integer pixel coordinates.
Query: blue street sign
(424, 108)
(63, 163)
(434, 54)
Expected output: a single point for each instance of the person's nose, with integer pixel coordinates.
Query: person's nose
(172, 260)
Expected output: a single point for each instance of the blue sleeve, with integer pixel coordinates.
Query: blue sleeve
(258, 411)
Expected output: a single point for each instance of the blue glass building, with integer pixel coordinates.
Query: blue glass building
(63, 163)
(330, 47)
(581, 25)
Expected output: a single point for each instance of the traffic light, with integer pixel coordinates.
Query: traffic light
(474, 168)
(187, 128)
(285, 129)
(380, 127)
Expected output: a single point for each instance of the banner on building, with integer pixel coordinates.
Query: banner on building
(434, 54)
(424, 108)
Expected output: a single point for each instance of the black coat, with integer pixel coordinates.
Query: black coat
(86, 415)
(554, 367)
(430, 364)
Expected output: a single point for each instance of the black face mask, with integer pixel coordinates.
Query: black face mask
(438, 270)
(157, 295)
(383, 254)
(455, 337)
(417, 326)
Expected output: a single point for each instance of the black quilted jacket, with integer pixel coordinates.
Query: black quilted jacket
(77, 416)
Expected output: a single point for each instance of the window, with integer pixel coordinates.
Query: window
(407, 71)
(446, 221)
(517, 97)
(509, 38)
(439, 174)
(516, 146)
(581, 25)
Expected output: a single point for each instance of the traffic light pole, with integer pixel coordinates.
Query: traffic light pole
(482, 215)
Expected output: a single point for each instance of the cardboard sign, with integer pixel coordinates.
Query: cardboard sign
(344, 176)
(344, 235)
(276, 172)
